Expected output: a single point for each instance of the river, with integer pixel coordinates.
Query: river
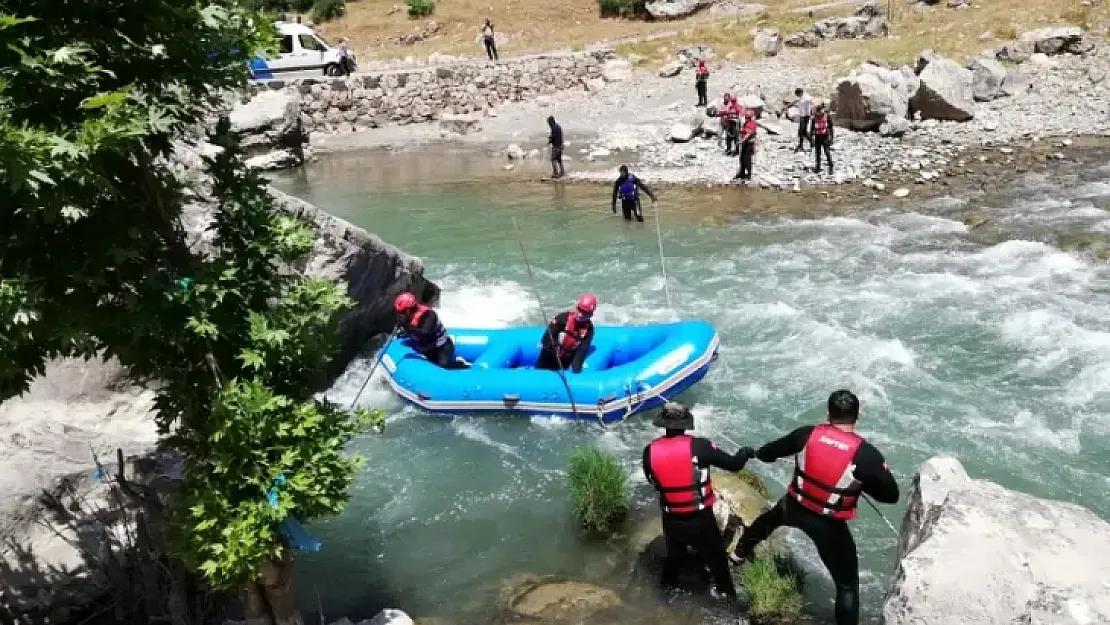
(990, 342)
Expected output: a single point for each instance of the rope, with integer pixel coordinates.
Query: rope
(862, 495)
(373, 368)
(659, 238)
(546, 325)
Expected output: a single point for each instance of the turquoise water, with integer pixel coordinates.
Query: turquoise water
(992, 344)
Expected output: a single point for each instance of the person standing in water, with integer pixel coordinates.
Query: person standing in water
(701, 82)
(555, 140)
(677, 465)
(627, 188)
(489, 40)
(833, 467)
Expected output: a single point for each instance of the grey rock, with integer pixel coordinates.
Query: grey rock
(866, 99)
(767, 41)
(987, 78)
(1054, 39)
(803, 39)
(616, 70)
(738, 10)
(669, 9)
(670, 70)
(1028, 560)
(946, 89)
(689, 55)
(389, 616)
(894, 126)
(461, 124)
(1016, 82)
(1015, 51)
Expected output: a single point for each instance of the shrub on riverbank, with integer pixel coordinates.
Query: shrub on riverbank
(774, 591)
(621, 8)
(421, 8)
(327, 10)
(598, 489)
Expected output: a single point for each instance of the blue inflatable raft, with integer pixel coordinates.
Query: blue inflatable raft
(629, 369)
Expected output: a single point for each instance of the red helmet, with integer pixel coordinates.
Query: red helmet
(587, 303)
(404, 302)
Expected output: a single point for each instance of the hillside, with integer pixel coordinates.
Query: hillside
(373, 25)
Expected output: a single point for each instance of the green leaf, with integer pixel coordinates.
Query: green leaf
(103, 100)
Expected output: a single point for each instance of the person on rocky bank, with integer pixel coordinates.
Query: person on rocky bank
(748, 132)
(677, 465)
(627, 188)
(555, 140)
(833, 468)
(821, 128)
(489, 40)
(701, 82)
(804, 104)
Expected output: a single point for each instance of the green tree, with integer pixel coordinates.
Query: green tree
(95, 259)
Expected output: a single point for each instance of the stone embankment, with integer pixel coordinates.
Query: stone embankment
(455, 95)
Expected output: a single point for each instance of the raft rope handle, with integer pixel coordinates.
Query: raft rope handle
(546, 325)
(862, 494)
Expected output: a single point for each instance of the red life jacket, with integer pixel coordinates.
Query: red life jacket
(438, 337)
(572, 335)
(684, 488)
(748, 130)
(824, 479)
(703, 71)
(821, 124)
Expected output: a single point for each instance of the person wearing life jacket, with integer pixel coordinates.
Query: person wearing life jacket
(834, 467)
(566, 341)
(677, 465)
(627, 188)
(425, 332)
(748, 132)
(730, 124)
(701, 82)
(821, 129)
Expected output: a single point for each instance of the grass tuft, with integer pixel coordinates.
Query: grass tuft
(598, 490)
(774, 591)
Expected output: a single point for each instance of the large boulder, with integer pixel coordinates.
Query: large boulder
(670, 9)
(684, 131)
(270, 130)
(803, 39)
(1015, 51)
(1057, 39)
(945, 92)
(767, 41)
(972, 551)
(988, 75)
(866, 99)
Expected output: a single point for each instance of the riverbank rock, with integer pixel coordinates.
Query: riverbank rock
(1014, 51)
(670, 70)
(865, 100)
(767, 41)
(738, 10)
(552, 599)
(670, 9)
(972, 551)
(683, 132)
(389, 616)
(270, 130)
(868, 22)
(616, 70)
(1057, 39)
(689, 55)
(460, 124)
(946, 90)
(988, 75)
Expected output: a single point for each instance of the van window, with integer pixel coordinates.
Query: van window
(286, 45)
(308, 42)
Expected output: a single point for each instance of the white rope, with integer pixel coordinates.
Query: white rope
(662, 263)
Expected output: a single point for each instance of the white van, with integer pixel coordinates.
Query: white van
(300, 49)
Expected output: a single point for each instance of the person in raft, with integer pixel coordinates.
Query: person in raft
(833, 467)
(566, 341)
(627, 188)
(422, 326)
(677, 465)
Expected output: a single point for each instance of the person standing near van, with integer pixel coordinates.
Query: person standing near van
(345, 61)
(488, 40)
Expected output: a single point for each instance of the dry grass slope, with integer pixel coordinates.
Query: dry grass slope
(561, 24)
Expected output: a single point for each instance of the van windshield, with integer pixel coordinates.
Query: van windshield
(322, 40)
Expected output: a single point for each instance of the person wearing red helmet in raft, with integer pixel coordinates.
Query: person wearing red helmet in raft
(566, 341)
(425, 331)
(833, 468)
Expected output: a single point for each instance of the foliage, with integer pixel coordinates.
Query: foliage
(597, 489)
(774, 591)
(421, 8)
(95, 259)
(280, 6)
(327, 10)
(621, 8)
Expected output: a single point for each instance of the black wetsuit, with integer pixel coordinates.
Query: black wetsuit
(822, 142)
(630, 203)
(551, 356)
(697, 530)
(423, 340)
(833, 539)
(556, 141)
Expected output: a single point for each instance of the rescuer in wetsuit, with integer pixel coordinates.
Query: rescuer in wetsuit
(627, 188)
(833, 467)
(566, 341)
(677, 465)
(426, 333)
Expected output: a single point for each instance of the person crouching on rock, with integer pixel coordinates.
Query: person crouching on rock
(821, 128)
(677, 465)
(701, 82)
(425, 331)
(627, 188)
(833, 467)
(567, 338)
(747, 138)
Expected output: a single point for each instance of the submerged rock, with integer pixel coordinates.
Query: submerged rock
(972, 551)
(552, 599)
